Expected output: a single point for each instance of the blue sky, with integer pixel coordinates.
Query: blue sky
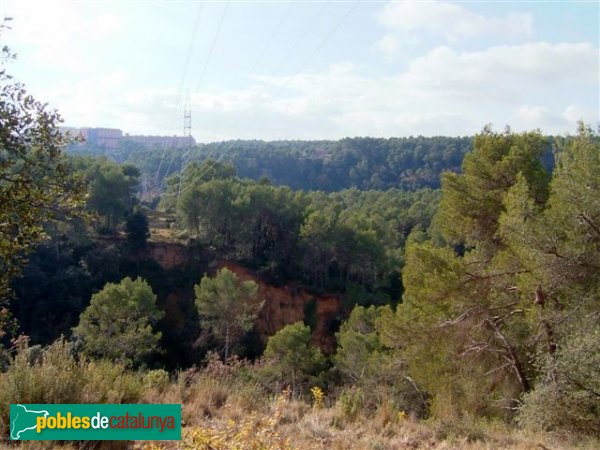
(308, 69)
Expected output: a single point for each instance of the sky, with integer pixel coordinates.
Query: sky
(310, 69)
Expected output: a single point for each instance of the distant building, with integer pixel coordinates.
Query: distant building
(112, 138)
(102, 137)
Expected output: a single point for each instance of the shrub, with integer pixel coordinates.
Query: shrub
(318, 397)
(108, 382)
(157, 379)
(568, 395)
(49, 376)
(351, 403)
(364, 361)
(290, 358)
(53, 375)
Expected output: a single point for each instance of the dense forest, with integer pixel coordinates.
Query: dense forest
(445, 284)
(350, 242)
(363, 163)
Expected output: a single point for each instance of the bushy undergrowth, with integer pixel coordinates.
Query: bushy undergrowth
(54, 375)
(567, 398)
(225, 406)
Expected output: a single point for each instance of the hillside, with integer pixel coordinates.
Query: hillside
(299, 225)
(363, 163)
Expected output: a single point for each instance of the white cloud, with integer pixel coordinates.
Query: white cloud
(504, 69)
(530, 117)
(451, 21)
(406, 21)
(459, 70)
(575, 113)
(391, 44)
(388, 44)
(442, 92)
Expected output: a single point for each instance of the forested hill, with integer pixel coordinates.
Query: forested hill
(365, 163)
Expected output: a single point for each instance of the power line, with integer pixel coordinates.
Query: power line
(187, 129)
(293, 48)
(185, 160)
(318, 48)
(187, 118)
(267, 44)
(271, 37)
(186, 65)
(324, 41)
(198, 176)
(288, 54)
(212, 47)
(191, 46)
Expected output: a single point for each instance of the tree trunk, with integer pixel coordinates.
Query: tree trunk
(512, 355)
(226, 356)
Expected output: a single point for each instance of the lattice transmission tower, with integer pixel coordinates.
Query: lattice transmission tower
(187, 118)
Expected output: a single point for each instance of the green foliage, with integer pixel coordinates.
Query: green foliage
(137, 230)
(291, 359)
(58, 281)
(328, 241)
(178, 186)
(567, 396)
(227, 306)
(351, 403)
(463, 327)
(472, 201)
(360, 356)
(365, 163)
(208, 207)
(36, 180)
(157, 379)
(367, 364)
(569, 229)
(118, 324)
(112, 188)
(522, 273)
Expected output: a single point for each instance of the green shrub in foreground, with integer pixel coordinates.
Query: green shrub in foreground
(568, 397)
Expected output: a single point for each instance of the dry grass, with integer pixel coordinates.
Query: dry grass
(220, 418)
(222, 413)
